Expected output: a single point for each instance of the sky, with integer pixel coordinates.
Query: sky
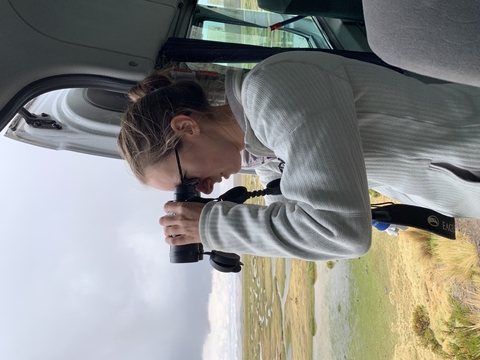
(85, 272)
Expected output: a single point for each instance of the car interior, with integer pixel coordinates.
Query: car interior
(68, 65)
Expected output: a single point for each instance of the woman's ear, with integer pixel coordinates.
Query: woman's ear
(184, 125)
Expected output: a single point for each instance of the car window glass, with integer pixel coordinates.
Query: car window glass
(245, 23)
(217, 31)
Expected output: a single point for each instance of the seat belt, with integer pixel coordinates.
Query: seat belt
(206, 51)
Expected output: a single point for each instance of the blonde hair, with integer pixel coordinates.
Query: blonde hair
(145, 137)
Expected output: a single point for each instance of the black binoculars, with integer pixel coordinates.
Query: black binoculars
(221, 261)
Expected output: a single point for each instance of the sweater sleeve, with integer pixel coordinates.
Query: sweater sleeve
(306, 115)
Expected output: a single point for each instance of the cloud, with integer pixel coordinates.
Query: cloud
(222, 342)
(84, 270)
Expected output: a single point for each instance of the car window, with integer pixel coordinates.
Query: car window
(232, 33)
(248, 24)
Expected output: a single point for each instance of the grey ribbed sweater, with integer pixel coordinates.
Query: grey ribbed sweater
(336, 122)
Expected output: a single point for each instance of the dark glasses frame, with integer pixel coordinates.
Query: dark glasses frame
(184, 180)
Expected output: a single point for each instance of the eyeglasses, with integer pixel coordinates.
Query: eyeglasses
(184, 180)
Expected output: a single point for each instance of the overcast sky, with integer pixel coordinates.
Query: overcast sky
(84, 270)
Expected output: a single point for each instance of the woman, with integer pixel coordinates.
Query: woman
(336, 126)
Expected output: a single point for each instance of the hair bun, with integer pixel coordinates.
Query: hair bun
(151, 83)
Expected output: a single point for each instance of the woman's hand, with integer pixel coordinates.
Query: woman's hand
(181, 224)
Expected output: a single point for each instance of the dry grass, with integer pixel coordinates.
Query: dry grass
(297, 320)
(451, 272)
(280, 275)
(268, 329)
(426, 270)
(458, 260)
(472, 300)
(444, 276)
(423, 243)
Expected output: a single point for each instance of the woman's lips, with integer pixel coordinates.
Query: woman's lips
(206, 186)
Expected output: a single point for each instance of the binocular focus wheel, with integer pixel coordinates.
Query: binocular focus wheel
(225, 262)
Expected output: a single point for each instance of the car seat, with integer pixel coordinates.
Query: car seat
(437, 38)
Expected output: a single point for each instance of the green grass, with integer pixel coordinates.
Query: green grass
(425, 334)
(466, 343)
(330, 264)
(367, 310)
(371, 313)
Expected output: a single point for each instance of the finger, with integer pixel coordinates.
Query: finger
(169, 220)
(172, 230)
(170, 207)
(179, 240)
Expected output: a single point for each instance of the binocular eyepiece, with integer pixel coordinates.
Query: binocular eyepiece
(221, 261)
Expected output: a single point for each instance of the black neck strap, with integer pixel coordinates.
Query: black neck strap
(398, 214)
(417, 217)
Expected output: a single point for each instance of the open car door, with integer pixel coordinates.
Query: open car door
(95, 59)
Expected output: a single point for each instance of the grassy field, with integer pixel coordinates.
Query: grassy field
(262, 311)
(401, 276)
(271, 330)
(371, 312)
(299, 318)
(410, 297)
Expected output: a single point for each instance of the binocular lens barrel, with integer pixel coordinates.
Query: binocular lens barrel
(185, 253)
(224, 262)
(184, 192)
